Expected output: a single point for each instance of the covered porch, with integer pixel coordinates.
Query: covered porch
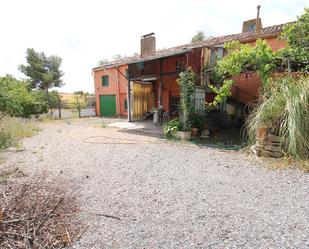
(152, 85)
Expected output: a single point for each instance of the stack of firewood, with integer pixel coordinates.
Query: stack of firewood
(268, 146)
(272, 147)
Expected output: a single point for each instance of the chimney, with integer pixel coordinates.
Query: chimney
(258, 23)
(253, 25)
(148, 45)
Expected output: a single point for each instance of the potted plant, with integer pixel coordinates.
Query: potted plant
(198, 122)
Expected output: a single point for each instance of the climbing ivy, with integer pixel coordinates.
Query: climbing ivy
(186, 84)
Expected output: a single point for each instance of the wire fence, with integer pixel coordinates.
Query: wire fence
(73, 113)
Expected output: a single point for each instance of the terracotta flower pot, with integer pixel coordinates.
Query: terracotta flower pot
(194, 132)
(260, 133)
(186, 135)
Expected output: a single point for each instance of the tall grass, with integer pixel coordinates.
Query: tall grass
(284, 110)
(12, 130)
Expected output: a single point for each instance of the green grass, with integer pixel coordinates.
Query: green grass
(13, 130)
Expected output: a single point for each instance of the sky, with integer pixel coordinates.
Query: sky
(82, 32)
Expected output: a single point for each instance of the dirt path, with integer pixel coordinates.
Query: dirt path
(141, 192)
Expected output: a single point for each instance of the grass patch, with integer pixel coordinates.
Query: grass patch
(12, 130)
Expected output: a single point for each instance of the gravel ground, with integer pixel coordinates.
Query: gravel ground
(142, 192)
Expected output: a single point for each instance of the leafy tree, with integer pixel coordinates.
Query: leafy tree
(262, 60)
(297, 36)
(103, 61)
(79, 101)
(43, 71)
(17, 100)
(199, 36)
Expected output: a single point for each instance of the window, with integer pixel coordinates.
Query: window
(127, 73)
(174, 104)
(105, 80)
(125, 104)
(251, 27)
(180, 66)
(220, 53)
(213, 56)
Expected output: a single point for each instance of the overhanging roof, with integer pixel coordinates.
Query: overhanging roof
(267, 32)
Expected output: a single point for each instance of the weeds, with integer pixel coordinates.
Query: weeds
(12, 130)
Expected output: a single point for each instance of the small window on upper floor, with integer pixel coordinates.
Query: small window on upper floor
(105, 80)
(127, 73)
(251, 27)
(220, 53)
(180, 66)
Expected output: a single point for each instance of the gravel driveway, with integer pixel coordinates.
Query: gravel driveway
(143, 192)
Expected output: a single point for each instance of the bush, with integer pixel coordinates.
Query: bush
(284, 110)
(198, 120)
(171, 127)
(17, 100)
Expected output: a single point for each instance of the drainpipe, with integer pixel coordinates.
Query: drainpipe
(129, 96)
(117, 92)
(160, 86)
(97, 100)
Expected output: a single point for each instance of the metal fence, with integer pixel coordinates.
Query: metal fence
(73, 113)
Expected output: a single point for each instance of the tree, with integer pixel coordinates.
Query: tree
(260, 59)
(103, 61)
(55, 102)
(17, 100)
(79, 101)
(43, 71)
(199, 36)
(297, 36)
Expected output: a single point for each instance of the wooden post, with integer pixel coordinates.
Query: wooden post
(129, 96)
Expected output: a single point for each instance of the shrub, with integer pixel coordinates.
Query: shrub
(171, 127)
(284, 110)
(198, 120)
(17, 100)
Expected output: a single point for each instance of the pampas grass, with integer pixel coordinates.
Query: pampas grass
(284, 110)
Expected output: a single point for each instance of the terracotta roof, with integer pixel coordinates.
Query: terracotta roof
(267, 32)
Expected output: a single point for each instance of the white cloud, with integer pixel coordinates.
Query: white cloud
(83, 32)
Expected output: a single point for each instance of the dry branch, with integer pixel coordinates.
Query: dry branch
(38, 214)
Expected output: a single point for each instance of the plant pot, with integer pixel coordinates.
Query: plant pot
(194, 132)
(185, 135)
(260, 133)
(205, 134)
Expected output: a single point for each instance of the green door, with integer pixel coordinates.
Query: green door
(107, 105)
